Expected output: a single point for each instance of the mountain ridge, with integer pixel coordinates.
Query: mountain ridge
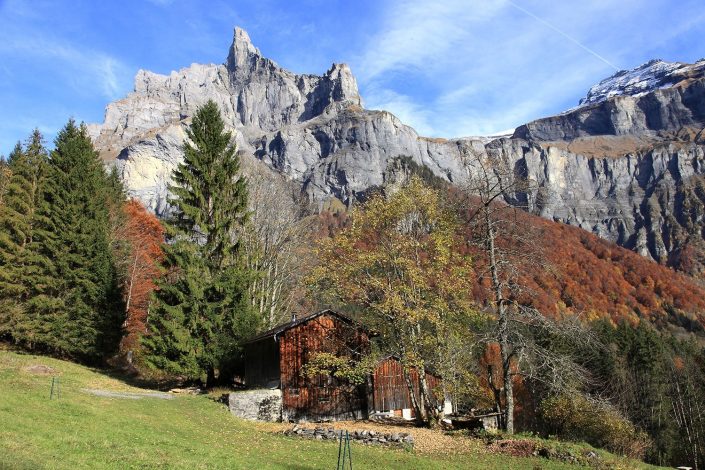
(314, 130)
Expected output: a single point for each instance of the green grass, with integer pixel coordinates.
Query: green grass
(85, 431)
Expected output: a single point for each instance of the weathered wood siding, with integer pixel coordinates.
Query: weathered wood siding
(390, 389)
(321, 397)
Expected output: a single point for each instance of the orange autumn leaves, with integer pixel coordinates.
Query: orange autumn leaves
(142, 234)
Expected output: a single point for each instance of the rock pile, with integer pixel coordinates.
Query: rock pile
(364, 437)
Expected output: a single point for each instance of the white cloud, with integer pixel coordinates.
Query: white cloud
(410, 112)
(418, 33)
(84, 68)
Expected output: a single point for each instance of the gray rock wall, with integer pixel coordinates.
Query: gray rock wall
(261, 405)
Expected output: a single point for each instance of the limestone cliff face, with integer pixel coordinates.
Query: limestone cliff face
(656, 96)
(624, 164)
(311, 128)
(650, 200)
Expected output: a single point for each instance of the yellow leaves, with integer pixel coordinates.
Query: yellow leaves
(401, 261)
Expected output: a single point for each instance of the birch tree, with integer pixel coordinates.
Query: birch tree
(276, 244)
(400, 264)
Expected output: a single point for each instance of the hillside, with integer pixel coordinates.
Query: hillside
(567, 270)
(80, 430)
(586, 274)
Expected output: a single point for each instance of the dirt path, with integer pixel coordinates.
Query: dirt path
(132, 396)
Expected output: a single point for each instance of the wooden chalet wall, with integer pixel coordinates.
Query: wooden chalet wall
(390, 390)
(321, 397)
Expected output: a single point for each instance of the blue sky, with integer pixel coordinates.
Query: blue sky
(449, 68)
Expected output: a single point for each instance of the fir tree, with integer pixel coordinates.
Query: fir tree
(18, 217)
(4, 178)
(201, 310)
(75, 300)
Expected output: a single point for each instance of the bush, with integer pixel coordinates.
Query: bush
(578, 418)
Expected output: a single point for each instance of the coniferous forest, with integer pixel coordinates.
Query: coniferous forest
(565, 334)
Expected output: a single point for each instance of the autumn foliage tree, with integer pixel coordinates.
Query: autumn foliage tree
(400, 264)
(141, 236)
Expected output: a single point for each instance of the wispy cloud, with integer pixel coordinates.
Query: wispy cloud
(563, 33)
(418, 35)
(404, 107)
(477, 67)
(84, 69)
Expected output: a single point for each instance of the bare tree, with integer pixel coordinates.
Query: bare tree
(276, 243)
(687, 411)
(494, 194)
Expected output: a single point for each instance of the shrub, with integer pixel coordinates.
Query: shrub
(578, 418)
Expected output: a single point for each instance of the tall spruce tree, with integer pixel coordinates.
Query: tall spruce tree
(74, 306)
(201, 311)
(4, 178)
(18, 218)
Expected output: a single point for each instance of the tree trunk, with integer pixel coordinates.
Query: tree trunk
(426, 395)
(502, 314)
(496, 392)
(419, 409)
(210, 377)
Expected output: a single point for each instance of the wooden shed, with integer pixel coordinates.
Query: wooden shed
(390, 391)
(274, 360)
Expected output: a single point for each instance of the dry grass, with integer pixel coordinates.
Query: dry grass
(434, 140)
(616, 146)
(604, 146)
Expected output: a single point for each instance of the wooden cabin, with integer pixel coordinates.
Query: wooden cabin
(274, 361)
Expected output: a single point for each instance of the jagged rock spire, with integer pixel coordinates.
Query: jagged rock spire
(242, 50)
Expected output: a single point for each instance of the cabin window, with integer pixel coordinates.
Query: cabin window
(325, 381)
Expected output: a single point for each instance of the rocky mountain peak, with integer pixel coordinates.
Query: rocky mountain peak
(343, 86)
(608, 166)
(242, 51)
(647, 77)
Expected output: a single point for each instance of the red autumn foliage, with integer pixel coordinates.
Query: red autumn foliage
(143, 234)
(605, 279)
(491, 363)
(577, 272)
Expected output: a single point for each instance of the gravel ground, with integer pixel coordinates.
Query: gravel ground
(427, 441)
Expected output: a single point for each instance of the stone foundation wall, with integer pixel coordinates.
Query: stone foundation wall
(261, 405)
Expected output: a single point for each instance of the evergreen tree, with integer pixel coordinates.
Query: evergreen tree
(4, 178)
(75, 297)
(201, 310)
(18, 216)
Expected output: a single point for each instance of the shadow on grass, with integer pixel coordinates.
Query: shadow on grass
(112, 368)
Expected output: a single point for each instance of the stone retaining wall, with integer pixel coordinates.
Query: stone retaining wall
(364, 437)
